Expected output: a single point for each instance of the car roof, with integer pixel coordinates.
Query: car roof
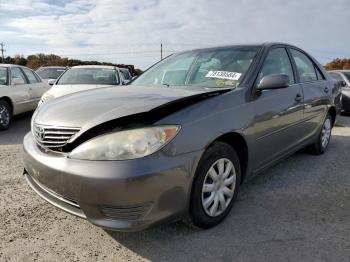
(60, 67)
(12, 65)
(253, 44)
(95, 66)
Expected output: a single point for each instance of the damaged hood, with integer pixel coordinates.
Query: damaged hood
(90, 108)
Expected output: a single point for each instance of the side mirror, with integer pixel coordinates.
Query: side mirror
(17, 81)
(51, 82)
(125, 82)
(273, 81)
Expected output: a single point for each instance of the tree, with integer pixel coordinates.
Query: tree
(338, 64)
(38, 60)
(20, 60)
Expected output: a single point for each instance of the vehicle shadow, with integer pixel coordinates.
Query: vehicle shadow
(277, 213)
(19, 127)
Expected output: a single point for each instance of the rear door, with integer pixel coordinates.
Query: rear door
(316, 91)
(36, 86)
(278, 112)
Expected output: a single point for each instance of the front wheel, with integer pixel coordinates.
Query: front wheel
(5, 115)
(215, 186)
(324, 137)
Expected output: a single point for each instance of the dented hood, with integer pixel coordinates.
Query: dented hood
(90, 108)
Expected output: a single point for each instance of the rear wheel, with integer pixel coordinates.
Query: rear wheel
(215, 186)
(324, 137)
(5, 115)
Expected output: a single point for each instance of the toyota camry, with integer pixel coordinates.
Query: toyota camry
(178, 142)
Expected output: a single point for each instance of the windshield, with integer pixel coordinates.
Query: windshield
(217, 68)
(50, 73)
(3, 76)
(89, 76)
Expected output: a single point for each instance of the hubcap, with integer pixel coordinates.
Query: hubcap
(218, 187)
(4, 115)
(326, 133)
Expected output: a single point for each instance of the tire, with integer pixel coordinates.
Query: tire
(219, 154)
(321, 145)
(5, 115)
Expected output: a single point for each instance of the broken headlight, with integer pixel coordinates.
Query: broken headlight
(123, 145)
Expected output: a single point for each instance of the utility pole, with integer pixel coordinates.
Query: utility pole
(161, 51)
(2, 52)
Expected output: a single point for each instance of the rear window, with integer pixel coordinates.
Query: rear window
(305, 67)
(89, 76)
(50, 73)
(30, 75)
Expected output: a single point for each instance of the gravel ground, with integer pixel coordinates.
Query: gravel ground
(296, 211)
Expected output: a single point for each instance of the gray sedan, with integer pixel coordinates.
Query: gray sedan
(179, 141)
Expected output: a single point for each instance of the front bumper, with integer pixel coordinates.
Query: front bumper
(126, 195)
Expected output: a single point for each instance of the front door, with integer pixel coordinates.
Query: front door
(278, 112)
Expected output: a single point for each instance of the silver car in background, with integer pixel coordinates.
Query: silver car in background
(20, 92)
(81, 78)
(51, 73)
(343, 76)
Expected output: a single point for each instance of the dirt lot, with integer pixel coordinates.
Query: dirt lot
(296, 211)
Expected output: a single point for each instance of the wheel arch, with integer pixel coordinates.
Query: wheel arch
(9, 101)
(239, 144)
(333, 112)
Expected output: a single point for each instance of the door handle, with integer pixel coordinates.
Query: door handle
(326, 89)
(298, 97)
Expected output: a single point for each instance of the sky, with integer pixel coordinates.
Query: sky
(130, 32)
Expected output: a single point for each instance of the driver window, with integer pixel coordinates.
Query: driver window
(277, 62)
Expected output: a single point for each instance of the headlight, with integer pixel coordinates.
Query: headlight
(129, 144)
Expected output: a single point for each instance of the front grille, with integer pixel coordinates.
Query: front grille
(133, 212)
(53, 137)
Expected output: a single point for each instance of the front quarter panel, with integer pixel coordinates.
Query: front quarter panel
(205, 121)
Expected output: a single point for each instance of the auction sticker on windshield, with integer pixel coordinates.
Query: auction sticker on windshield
(224, 75)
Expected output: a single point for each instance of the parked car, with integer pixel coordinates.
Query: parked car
(20, 91)
(81, 78)
(343, 76)
(178, 142)
(51, 73)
